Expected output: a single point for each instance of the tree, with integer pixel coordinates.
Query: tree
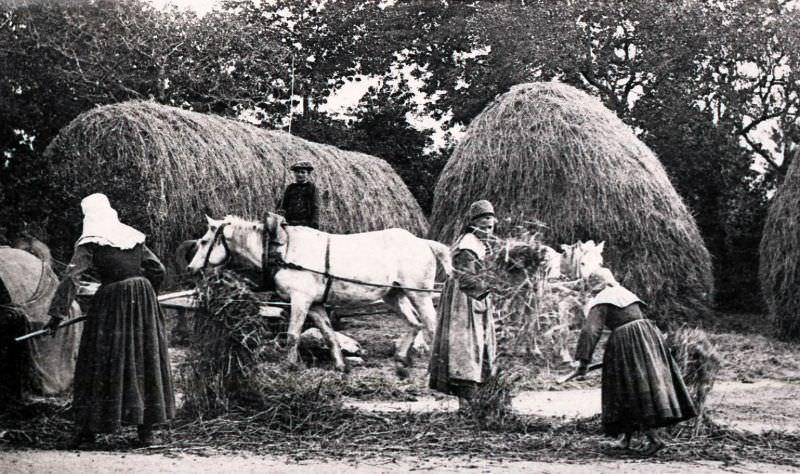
(60, 60)
(380, 127)
(695, 79)
(327, 42)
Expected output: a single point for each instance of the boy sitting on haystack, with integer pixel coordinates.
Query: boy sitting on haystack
(300, 203)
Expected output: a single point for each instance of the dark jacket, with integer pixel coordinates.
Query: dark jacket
(300, 205)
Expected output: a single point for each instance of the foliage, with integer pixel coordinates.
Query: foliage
(700, 81)
(60, 60)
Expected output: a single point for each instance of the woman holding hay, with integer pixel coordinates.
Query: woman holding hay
(122, 375)
(642, 386)
(464, 344)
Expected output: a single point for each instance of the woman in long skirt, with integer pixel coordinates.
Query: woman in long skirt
(122, 375)
(642, 387)
(464, 345)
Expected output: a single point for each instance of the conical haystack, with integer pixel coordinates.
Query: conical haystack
(779, 255)
(163, 168)
(549, 152)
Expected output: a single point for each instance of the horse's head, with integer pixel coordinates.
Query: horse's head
(581, 258)
(591, 257)
(234, 237)
(213, 248)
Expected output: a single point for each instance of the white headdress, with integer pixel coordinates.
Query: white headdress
(101, 225)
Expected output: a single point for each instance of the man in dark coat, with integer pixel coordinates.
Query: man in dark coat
(300, 203)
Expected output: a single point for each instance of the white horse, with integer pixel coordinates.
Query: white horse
(574, 261)
(318, 268)
(564, 299)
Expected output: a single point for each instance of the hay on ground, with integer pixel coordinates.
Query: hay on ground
(698, 360)
(235, 360)
(163, 168)
(549, 152)
(779, 255)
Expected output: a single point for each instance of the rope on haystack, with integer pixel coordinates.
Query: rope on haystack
(549, 152)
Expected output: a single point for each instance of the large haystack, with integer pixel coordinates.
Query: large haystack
(164, 167)
(779, 255)
(550, 152)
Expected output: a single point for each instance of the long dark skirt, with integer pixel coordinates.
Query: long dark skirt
(122, 376)
(642, 386)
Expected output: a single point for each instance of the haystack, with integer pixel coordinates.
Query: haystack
(549, 152)
(163, 168)
(779, 255)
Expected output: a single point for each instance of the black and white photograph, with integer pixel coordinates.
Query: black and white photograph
(391, 236)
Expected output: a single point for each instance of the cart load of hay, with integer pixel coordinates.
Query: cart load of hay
(42, 366)
(163, 168)
(551, 153)
(779, 263)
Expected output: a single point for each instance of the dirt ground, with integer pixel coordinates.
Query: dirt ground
(757, 393)
(58, 462)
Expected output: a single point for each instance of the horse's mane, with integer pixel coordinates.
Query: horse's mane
(239, 222)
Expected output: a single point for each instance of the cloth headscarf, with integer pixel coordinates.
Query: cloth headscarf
(611, 292)
(101, 225)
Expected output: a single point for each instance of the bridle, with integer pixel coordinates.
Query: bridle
(219, 235)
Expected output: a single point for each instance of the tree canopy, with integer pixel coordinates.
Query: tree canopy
(710, 85)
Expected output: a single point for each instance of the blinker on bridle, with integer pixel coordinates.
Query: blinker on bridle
(219, 235)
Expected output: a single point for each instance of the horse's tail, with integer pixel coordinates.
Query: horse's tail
(442, 254)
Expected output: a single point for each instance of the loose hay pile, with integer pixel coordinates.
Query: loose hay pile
(235, 366)
(164, 167)
(550, 152)
(779, 264)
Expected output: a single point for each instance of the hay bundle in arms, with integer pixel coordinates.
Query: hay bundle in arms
(538, 301)
(314, 268)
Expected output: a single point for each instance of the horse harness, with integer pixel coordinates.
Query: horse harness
(272, 258)
(219, 235)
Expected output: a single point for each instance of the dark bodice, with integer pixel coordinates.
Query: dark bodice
(604, 315)
(616, 317)
(113, 264)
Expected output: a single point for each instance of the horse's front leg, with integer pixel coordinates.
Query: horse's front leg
(321, 320)
(297, 318)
